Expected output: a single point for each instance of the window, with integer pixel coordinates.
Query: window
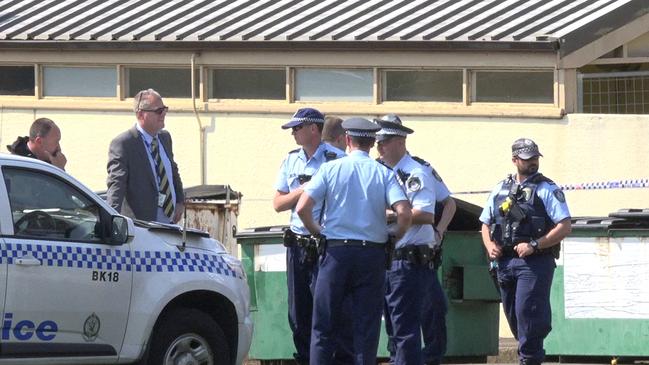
(615, 93)
(333, 85)
(46, 207)
(442, 86)
(248, 84)
(79, 81)
(17, 80)
(169, 82)
(513, 87)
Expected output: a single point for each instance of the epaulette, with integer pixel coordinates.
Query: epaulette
(539, 178)
(421, 161)
(383, 163)
(294, 151)
(403, 176)
(330, 155)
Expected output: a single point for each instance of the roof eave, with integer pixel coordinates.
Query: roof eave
(448, 46)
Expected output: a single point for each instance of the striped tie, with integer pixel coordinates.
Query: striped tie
(167, 206)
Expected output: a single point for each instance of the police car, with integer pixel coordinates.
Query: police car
(80, 284)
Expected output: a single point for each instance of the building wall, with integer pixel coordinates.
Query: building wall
(471, 154)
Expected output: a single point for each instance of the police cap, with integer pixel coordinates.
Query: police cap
(304, 115)
(391, 125)
(360, 127)
(525, 148)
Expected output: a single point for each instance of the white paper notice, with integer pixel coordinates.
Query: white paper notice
(606, 277)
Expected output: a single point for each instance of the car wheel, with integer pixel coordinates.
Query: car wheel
(189, 337)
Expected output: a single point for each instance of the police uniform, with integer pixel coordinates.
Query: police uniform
(411, 271)
(295, 170)
(356, 190)
(525, 282)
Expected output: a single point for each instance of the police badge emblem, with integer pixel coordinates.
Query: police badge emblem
(559, 195)
(91, 328)
(527, 194)
(413, 184)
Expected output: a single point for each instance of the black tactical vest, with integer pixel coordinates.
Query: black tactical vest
(525, 217)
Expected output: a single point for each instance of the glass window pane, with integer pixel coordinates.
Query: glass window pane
(443, 86)
(514, 87)
(248, 84)
(333, 85)
(46, 207)
(169, 82)
(17, 80)
(79, 81)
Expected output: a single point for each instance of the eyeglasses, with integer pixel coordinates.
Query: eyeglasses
(298, 127)
(158, 111)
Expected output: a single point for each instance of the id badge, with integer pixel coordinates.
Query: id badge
(161, 199)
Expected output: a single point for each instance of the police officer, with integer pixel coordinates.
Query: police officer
(524, 220)
(411, 270)
(298, 167)
(356, 190)
(434, 305)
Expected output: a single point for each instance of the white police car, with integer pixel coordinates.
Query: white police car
(80, 284)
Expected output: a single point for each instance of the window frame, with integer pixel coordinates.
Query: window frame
(209, 84)
(40, 77)
(473, 85)
(382, 82)
(374, 97)
(580, 86)
(102, 214)
(35, 67)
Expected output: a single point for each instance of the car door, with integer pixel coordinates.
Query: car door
(68, 292)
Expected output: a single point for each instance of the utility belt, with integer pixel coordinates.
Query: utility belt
(508, 251)
(416, 254)
(387, 246)
(308, 243)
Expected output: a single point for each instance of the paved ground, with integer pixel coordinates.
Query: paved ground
(507, 354)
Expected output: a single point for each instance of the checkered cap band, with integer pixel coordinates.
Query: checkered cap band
(307, 120)
(526, 150)
(392, 132)
(356, 133)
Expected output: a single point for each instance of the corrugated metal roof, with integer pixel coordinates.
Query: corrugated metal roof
(302, 20)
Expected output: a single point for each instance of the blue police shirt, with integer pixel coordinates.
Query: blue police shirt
(556, 208)
(418, 182)
(295, 164)
(356, 191)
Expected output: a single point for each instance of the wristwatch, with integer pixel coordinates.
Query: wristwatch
(535, 244)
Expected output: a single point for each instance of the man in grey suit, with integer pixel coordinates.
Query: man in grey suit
(143, 180)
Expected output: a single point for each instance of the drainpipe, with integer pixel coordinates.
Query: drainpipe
(202, 130)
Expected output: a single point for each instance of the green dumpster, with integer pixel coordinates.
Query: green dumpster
(600, 296)
(473, 316)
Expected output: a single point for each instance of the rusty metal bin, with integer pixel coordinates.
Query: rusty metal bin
(214, 209)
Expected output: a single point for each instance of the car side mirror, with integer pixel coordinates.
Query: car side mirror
(118, 230)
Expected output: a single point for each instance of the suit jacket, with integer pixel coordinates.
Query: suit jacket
(132, 187)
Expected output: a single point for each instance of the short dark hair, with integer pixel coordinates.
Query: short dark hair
(41, 128)
(363, 142)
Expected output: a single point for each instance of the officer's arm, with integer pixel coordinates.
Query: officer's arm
(421, 217)
(286, 201)
(556, 234)
(304, 209)
(404, 217)
(493, 250)
(447, 215)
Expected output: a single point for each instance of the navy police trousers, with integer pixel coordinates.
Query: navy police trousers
(355, 274)
(405, 283)
(433, 322)
(525, 292)
(300, 276)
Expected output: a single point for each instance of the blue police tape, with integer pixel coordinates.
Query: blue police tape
(614, 184)
(117, 260)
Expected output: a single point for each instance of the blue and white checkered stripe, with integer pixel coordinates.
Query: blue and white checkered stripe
(80, 257)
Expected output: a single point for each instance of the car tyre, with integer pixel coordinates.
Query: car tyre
(189, 336)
